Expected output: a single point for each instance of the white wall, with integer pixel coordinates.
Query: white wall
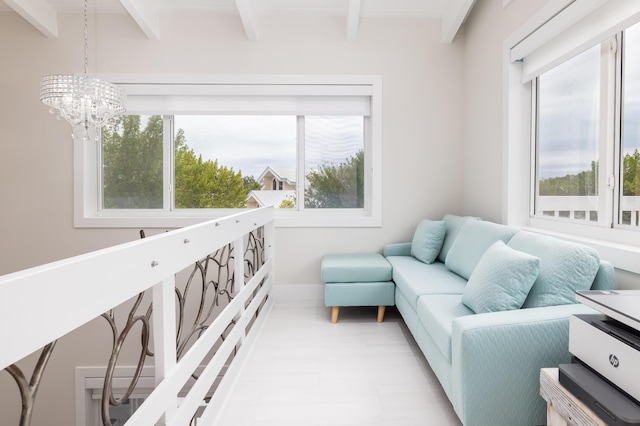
(485, 30)
(422, 140)
(422, 117)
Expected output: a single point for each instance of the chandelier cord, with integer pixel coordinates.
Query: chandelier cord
(84, 101)
(86, 38)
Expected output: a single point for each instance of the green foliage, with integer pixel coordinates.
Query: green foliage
(250, 183)
(204, 184)
(582, 184)
(586, 183)
(631, 174)
(337, 185)
(133, 171)
(288, 203)
(132, 163)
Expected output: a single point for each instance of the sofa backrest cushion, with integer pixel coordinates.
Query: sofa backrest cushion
(605, 278)
(565, 267)
(452, 224)
(474, 238)
(501, 281)
(427, 240)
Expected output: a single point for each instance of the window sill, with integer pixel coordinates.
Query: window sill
(326, 219)
(613, 245)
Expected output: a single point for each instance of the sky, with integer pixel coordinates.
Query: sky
(568, 129)
(247, 144)
(251, 143)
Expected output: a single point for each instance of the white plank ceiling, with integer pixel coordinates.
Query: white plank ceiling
(43, 14)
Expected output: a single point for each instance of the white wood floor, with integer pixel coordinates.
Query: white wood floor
(305, 371)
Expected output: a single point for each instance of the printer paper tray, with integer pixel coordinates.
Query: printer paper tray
(611, 405)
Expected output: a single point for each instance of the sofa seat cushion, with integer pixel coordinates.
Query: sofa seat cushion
(474, 238)
(436, 313)
(414, 278)
(354, 268)
(565, 267)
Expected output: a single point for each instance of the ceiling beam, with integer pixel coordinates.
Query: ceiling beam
(453, 17)
(38, 13)
(249, 18)
(353, 19)
(145, 16)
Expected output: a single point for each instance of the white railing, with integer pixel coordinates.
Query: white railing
(585, 208)
(42, 304)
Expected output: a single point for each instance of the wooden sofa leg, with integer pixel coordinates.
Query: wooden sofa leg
(381, 310)
(334, 314)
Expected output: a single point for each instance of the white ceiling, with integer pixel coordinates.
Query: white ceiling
(42, 14)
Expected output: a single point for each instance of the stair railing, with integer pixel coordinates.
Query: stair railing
(40, 305)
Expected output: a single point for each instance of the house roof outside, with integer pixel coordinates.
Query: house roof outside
(271, 198)
(286, 174)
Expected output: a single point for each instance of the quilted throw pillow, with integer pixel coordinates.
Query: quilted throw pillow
(501, 281)
(427, 240)
(474, 238)
(565, 267)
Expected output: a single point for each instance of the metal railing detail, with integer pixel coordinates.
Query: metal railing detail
(118, 340)
(219, 264)
(29, 388)
(209, 308)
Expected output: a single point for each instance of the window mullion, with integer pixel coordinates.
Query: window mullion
(607, 133)
(616, 166)
(167, 163)
(534, 173)
(300, 164)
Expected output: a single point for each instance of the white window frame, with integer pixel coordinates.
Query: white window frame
(617, 245)
(606, 130)
(87, 213)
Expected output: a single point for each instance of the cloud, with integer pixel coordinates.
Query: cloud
(251, 143)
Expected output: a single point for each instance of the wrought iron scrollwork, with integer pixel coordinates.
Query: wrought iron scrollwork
(215, 275)
(29, 388)
(254, 253)
(119, 338)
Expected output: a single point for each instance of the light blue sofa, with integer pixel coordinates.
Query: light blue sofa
(489, 363)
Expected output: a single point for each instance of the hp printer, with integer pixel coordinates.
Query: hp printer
(605, 349)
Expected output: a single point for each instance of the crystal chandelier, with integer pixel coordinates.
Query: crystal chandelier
(80, 99)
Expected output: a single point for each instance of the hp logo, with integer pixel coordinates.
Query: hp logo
(613, 360)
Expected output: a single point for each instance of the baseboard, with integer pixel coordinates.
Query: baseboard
(299, 293)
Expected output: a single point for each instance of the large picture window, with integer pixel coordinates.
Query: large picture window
(180, 155)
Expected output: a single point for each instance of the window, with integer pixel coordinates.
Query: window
(586, 159)
(334, 162)
(192, 151)
(630, 162)
(555, 35)
(567, 143)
